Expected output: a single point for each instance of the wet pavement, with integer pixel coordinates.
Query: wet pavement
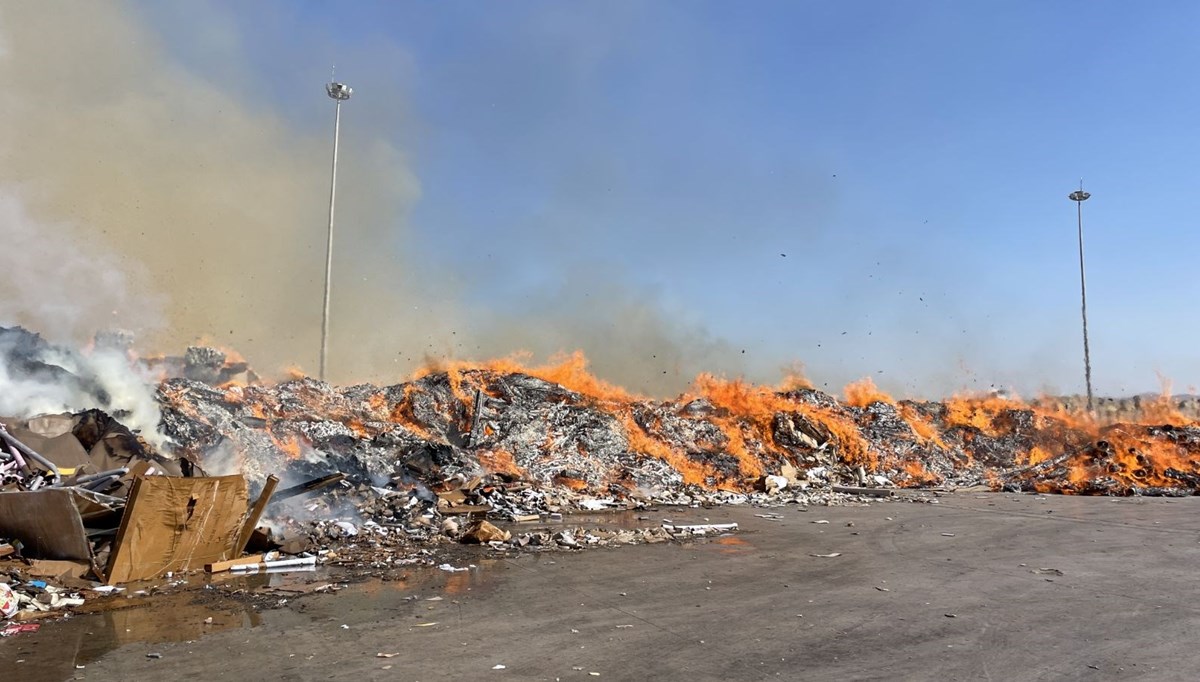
(978, 586)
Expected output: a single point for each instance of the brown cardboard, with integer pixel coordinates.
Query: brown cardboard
(46, 522)
(43, 568)
(177, 524)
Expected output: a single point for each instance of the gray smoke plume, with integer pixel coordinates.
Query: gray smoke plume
(140, 192)
(37, 377)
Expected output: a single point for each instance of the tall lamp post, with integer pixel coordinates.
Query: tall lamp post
(339, 93)
(1079, 196)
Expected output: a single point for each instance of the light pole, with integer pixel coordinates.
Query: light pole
(340, 93)
(1079, 196)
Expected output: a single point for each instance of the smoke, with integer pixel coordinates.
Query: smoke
(179, 204)
(629, 337)
(39, 378)
(65, 281)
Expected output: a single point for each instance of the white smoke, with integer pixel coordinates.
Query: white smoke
(65, 284)
(60, 280)
(39, 378)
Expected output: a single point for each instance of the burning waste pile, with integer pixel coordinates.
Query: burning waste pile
(121, 469)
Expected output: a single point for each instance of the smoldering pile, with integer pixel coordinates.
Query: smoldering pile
(467, 453)
(569, 440)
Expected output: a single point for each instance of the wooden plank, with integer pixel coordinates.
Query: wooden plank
(221, 566)
(870, 492)
(477, 420)
(310, 486)
(255, 514)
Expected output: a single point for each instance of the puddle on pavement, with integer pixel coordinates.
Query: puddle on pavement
(108, 623)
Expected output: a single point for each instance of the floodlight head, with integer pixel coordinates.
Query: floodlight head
(339, 91)
(1078, 195)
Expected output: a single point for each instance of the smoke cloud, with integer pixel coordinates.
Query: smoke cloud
(40, 378)
(142, 193)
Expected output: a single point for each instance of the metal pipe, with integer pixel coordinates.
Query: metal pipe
(103, 474)
(276, 563)
(100, 483)
(28, 452)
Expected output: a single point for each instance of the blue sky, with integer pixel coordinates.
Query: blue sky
(912, 160)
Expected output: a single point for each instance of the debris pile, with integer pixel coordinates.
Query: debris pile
(290, 475)
(557, 437)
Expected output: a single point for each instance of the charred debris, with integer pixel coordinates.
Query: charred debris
(243, 475)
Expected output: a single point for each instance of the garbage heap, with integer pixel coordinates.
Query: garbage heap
(556, 435)
(225, 471)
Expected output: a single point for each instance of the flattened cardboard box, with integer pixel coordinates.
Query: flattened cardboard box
(47, 522)
(177, 524)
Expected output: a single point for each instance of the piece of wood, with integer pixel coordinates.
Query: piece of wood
(6, 549)
(255, 514)
(870, 492)
(310, 486)
(465, 509)
(477, 420)
(222, 566)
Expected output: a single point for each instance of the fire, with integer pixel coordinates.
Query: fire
(569, 371)
(1050, 444)
(756, 406)
(291, 445)
(401, 414)
(499, 461)
(864, 392)
(977, 413)
(694, 473)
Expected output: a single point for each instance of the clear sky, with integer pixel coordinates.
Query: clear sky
(870, 188)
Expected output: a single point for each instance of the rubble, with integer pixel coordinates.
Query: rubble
(302, 474)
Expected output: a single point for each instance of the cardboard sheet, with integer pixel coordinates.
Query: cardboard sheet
(47, 523)
(177, 524)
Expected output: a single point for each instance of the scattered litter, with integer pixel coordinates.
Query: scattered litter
(296, 562)
(18, 628)
(8, 601)
(1046, 571)
(700, 529)
(827, 556)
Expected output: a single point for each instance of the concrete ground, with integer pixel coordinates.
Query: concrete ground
(976, 587)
